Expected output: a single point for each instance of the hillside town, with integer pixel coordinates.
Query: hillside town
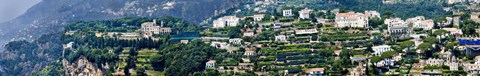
(299, 40)
(285, 41)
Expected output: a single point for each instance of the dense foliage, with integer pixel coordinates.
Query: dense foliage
(23, 57)
(184, 59)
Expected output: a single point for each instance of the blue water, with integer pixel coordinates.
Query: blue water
(185, 36)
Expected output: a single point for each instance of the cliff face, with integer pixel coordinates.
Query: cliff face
(81, 67)
(51, 15)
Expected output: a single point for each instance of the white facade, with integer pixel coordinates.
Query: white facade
(248, 34)
(223, 45)
(151, 28)
(372, 14)
(219, 23)
(386, 62)
(315, 72)
(210, 64)
(378, 50)
(454, 1)
(281, 38)
(235, 41)
(425, 24)
(306, 31)
(305, 13)
(435, 61)
(226, 21)
(258, 17)
(421, 22)
(351, 19)
(287, 13)
(396, 26)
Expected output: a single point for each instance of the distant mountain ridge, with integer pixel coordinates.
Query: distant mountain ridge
(51, 15)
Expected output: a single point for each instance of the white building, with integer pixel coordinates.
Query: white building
(305, 13)
(258, 17)
(471, 68)
(397, 26)
(425, 24)
(434, 62)
(385, 62)
(210, 64)
(315, 72)
(415, 19)
(421, 22)
(306, 31)
(454, 31)
(287, 13)
(378, 50)
(454, 1)
(226, 21)
(372, 14)
(223, 45)
(150, 28)
(130, 36)
(250, 52)
(281, 38)
(351, 19)
(248, 34)
(235, 41)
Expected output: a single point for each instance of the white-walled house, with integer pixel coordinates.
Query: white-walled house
(226, 21)
(315, 71)
(434, 61)
(258, 17)
(305, 13)
(397, 26)
(378, 50)
(210, 64)
(351, 19)
(235, 41)
(281, 38)
(372, 14)
(287, 13)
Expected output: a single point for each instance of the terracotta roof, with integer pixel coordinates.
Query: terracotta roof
(338, 51)
(249, 50)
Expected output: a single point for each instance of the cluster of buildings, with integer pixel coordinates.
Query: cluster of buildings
(226, 21)
(147, 30)
(351, 19)
(395, 26)
(399, 26)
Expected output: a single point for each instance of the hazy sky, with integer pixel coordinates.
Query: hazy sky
(9, 9)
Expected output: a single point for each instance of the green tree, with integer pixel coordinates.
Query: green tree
(424, 46)
(431, 40)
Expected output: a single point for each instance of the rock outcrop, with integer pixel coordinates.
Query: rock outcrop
(81, 67)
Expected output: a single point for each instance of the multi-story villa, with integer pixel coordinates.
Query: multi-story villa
(351, 19)
(226, 21)
(305, 13)
(378, 50)
(150, 28)
(258, 17)
(287, 13)
(397, 26)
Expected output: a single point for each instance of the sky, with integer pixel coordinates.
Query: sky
(10, 9)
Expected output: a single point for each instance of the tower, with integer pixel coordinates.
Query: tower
(154, 21)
